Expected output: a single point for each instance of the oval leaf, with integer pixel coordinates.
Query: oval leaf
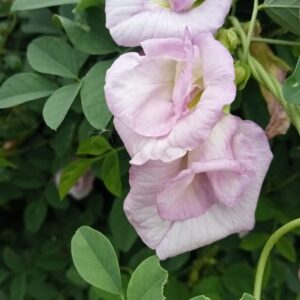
(58, 105)
(92, 96)
(18, 287)
(148, 280)
(110, 173)
(91, 36)
(33, 4)
(95, 145)
(24, 87)
(35, 214)
(95, 260)
(52, 56)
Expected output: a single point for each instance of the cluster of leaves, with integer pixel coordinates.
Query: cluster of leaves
(53, 59)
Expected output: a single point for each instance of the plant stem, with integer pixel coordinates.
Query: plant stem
(251, 28)
(266, 252)
(275, 42)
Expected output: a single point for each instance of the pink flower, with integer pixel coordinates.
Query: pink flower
(133, 21)
(83, 186)
(167, 101)
(204, 196)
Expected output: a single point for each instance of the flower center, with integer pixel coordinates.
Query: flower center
(195, 98)
(163, 3)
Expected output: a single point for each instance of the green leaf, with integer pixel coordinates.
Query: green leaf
(52, 55)
(95, 145)
(13, 260)
(38, 21)
(18, 287)
(35, 214)
(58, 105)
(200, 298)
(282, 3)
(95, 260)
(254, 241)
(236, 283)
(148, 280)
(286, 248)
(110, 173)
(24, 87)
(92, 96)
(247, 297)
(293, 111)
(123, 233)
(211, 286)
(72, 173)
(3, 275)
(84, 4)
(284, 12)
(91, 36)
(4, 162)
(291, 87)
(33, 4)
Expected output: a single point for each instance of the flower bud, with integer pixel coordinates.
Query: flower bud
(228, 38)
(242, 74)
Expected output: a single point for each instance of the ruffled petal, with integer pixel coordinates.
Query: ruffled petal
(186, 196)
(170, 236)
(133, 21)
(141, 94)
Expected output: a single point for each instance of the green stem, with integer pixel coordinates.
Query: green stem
(275, 42)
(266, 252)
(251, 28)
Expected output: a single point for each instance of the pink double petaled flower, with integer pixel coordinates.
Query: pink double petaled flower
(167, 101)
(196, 173)
(133, 21)
(206, 195)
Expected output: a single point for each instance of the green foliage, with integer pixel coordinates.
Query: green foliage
(285, 13)
(72, 173)
(58, 105)
(52, 56)
(58, 52)
(123, 234)
(34, 4)
(92, 97)
(24, 87)
(147, 281)
(110, 173)
(90, 37)
(247, 297)
(95, 260)
(291, 86)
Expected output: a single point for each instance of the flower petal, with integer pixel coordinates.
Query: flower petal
(140, 94)
(133, 21)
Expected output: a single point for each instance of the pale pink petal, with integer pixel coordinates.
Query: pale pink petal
(83, 187)
(172, 48)
(169, 232)
(128, 97)
(188, 195)
(179, 5)
(133, 21)
(140, 95)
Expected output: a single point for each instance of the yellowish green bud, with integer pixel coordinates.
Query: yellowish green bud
(228, 38)
(242, 74)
